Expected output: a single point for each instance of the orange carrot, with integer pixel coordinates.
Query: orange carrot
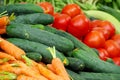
(11, 49)
(58, 65)
(34, 66)
(42, 64)
(29, 72)
(2, 31)
(8, 67)
(50, 67)
(7, 56)
(24, 77)
(59, 68)
(48, 73)
(3, 22)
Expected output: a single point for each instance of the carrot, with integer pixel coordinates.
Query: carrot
(11, 49)
(48, 73)
(58, 65)
(29, 72)
(50, 67)
(34, 66)
(24, 77)
(42, 64)
(2, 31)
(4, 20)
(59, 68)
(9, 67)
(7, 56)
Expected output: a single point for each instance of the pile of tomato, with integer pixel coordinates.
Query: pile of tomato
(97, 34)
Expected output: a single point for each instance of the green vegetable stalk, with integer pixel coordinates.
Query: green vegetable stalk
(4, 75)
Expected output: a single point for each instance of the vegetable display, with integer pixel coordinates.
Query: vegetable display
(60, 40)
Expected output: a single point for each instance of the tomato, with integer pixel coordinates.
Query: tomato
(78, 26)
(105, 32)
(116, 38)
(55, 14)
(47, 7)
(72, 10)
(94, 39)
(116, 60)
(94, 23)
(112, 48)
(108, 26)
(103, 54)
(61, 21)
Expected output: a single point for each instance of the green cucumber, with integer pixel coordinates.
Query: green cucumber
(95, 64)
(19, 9)
(99, 76)
(77, 43)
(34, 56)
(105, 16)
(34, 18)
(31, 46)
(75, 64)
(50, 39)
(74, 75)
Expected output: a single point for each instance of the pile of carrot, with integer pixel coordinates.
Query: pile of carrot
(14, 60)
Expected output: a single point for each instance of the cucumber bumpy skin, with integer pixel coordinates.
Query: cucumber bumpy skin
(105, 16)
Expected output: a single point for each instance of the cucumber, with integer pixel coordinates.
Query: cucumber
(75, 64)
(99, 76)
(95, 64)
(34, 18)
(31, 46)
(77, 43)
(19, 9)
(74, 75)
(34, 56)
(105, 16)
(110, 60)
(27, 32)
(110, 10)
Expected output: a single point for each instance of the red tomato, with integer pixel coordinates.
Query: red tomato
(55, 14)
(103, 54)
(61, 21)
(116, 38)
(116, 60)
(112, 48)
(94, 23)
(105, 32)
(94, 39)
(72, 10)
(79, 26)
(108, 26)
(47, 7)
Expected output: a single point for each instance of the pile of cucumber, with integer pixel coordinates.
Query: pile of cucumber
(30, 32)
